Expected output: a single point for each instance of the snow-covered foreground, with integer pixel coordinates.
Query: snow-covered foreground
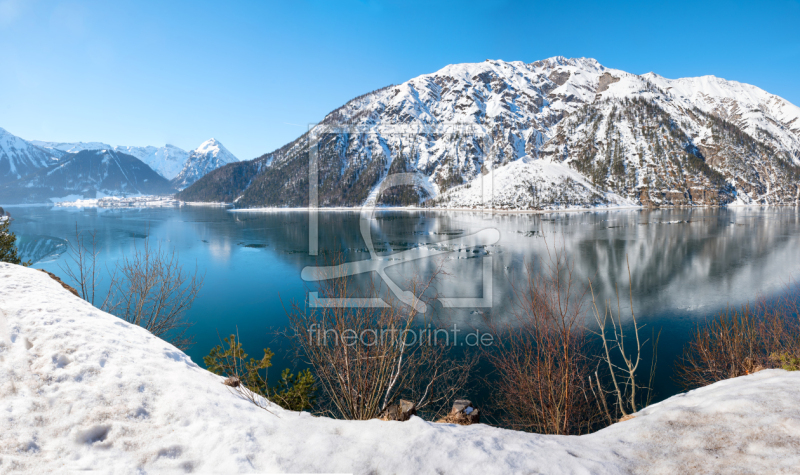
(82, 390)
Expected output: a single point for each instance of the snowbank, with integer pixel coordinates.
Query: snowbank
(80, 389)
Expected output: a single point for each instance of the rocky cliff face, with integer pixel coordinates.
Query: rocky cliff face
(551, 134)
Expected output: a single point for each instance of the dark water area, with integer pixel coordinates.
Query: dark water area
(686, 265)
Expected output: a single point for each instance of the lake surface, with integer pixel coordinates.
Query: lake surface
(686, 265)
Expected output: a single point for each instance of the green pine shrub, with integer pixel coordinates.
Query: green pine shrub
(786, 361)
(295, 392)
(8, 251)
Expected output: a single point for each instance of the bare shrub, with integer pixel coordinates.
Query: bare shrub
(364, 357)
(541, 357)
(627, 394)
(81, 266)
(725, 347)
(151, 289)
(741, 341)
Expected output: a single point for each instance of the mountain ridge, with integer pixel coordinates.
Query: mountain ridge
(633, 139)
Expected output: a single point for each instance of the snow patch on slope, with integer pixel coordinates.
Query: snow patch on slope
(529, 183)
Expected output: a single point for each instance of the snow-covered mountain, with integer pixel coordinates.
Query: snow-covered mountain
(168, 160)
(19, 157)
(554, 133)
(209, 156)
(87, 174)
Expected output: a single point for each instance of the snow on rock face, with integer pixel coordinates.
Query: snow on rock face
(83, 390)
(748, 106)
(19, 157)
(209, 156)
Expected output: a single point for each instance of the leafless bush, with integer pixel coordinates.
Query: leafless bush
(151, 289)
(81, 266)
(363, 357)
(625, 390)
(541, 360)
(741, 341)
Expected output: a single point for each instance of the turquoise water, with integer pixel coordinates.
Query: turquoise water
(685, 264)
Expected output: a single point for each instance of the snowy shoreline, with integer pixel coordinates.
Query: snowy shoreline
(500, 211)
(170, 201)
(83, 390)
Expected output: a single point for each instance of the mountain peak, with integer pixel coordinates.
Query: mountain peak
(210, 155)
(214, 146)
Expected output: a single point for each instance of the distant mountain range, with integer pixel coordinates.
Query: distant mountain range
(92, 173)
(551, 134)
(37, 171)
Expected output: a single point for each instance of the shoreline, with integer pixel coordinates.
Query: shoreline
(417, 209)
(162, 203)
(505, 211)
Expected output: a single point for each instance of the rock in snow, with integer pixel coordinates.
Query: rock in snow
(83, 390)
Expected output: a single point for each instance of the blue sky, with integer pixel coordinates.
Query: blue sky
(255, 74)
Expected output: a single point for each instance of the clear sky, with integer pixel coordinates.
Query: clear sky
(255, 74)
